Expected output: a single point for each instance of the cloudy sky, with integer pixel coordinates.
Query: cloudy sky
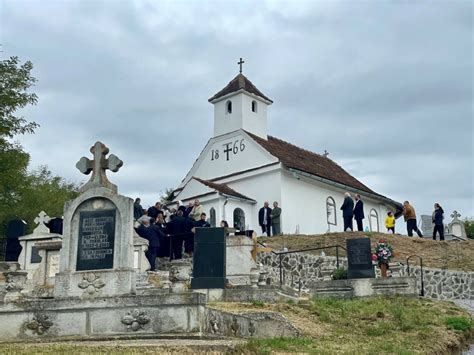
(385, 87)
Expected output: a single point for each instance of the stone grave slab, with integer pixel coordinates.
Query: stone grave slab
(359, 258)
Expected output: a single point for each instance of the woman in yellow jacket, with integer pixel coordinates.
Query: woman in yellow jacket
(390, 222)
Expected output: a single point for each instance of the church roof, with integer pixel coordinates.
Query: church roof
(223, 189)
(304, 160)
(238, 83)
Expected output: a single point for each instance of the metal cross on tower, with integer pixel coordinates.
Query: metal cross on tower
(98, 166)
(240, 62)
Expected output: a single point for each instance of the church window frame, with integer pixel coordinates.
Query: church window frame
(240, 225)
(228, 107)
(331, 211)
(374, 215)
(254, 106)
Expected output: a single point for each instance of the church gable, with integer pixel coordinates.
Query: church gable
(229, 154)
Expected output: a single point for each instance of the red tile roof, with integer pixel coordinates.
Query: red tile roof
(222, 188)
(300, 159)
(238, 83)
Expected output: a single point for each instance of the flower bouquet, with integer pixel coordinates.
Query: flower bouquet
(383, 254)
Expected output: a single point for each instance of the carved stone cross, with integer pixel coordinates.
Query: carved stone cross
(455, 214)
(98, 166)
(40, 221)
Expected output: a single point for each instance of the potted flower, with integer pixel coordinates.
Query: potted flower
(383, 254)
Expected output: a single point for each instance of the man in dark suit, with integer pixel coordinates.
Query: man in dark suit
(152, 233)
(202, 223)
(177, 229)
(155, 210)
(347, 211)
(264, 219)
(359, 212)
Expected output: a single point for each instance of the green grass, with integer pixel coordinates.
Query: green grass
(382, 325)
(459, 323)
(267, 346)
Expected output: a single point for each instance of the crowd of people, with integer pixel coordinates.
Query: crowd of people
(168, 230)
(355, 211)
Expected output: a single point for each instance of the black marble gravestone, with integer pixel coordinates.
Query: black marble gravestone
(95, 249)
(15, 228)
(209, 261)
(359, 259)
(55, 225)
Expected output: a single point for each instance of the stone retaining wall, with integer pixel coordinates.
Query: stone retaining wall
(300, 270)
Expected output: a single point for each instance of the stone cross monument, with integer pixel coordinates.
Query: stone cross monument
(98, 166)
(96, 259)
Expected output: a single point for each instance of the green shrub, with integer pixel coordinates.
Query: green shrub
(458, 323)
(339, 274)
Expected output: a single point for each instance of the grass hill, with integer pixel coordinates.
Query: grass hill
(457, 255)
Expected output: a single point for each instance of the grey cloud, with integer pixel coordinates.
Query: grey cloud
(385, 87)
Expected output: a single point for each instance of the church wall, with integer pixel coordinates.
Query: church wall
(260, 187)
(304, 205)
(227, 122)
(254, 122)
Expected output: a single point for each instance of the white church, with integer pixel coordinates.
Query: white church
(241, 167)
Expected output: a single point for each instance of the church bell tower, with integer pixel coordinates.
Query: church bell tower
(240, 105)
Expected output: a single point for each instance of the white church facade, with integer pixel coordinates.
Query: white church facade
(241, 167)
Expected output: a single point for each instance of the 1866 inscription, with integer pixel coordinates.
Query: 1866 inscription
(95, 248)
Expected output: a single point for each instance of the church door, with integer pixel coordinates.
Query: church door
(239, 219)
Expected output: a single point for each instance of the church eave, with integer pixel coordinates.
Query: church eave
(240, 91)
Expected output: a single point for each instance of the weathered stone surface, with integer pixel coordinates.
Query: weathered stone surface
(255, 324)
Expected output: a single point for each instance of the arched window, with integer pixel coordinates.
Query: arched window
(374, 221)
(229, 106)
(239, 219)
(212, 217)
(331, 211)
(254, 106)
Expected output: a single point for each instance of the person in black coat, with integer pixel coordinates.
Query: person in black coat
(359, 212)
(188, 236)
(202, 223)
(176, 228)
(264, 219)
(347, 211)
(438, 221)
(137, 209)
(155, 210)
(153, 234)
(164, 249)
